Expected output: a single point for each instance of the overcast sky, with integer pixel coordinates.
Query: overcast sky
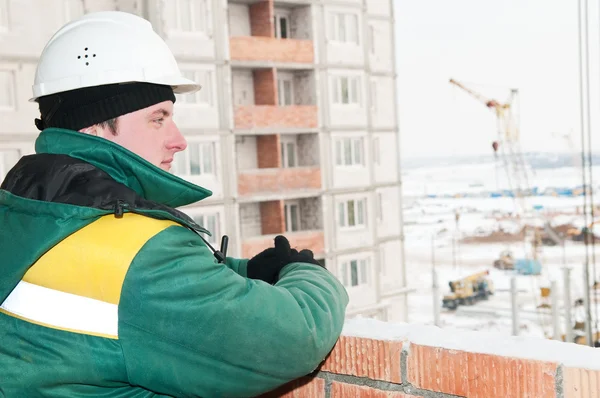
(490, 45)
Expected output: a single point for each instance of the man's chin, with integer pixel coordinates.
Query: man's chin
(165, 166)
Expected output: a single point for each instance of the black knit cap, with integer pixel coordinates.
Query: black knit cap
(84, 107)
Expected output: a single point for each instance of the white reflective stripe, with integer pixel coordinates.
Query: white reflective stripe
(62, 310)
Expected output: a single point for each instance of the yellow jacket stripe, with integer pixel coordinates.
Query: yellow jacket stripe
(93, 261)
(76, 285)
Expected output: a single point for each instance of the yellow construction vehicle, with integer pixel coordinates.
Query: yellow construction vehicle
(468, 290)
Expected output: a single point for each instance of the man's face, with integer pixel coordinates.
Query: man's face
(150, 133)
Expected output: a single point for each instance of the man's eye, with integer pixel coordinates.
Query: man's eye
(159, 121)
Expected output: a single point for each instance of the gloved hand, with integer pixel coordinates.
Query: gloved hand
(267, 264)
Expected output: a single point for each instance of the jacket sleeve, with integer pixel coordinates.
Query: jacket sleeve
(189, 326)
(238, 265)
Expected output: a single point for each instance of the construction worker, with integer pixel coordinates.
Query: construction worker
(107, 289)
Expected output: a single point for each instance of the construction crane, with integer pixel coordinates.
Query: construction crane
(507, 143)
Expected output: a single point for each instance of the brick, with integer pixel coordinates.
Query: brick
(268, 151)
(343, 390)
(252, 48)
(278, 180)
(305, 387)
(312, 240)
(265, 116)
(271, 217)
(261, 18)
(581, 383)
(375, 359)
(479, 375)
(265, 89)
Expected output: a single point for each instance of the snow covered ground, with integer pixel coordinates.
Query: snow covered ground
(433, 236)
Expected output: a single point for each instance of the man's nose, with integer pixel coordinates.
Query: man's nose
(176, 141)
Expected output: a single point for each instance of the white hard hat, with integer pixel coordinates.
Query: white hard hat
(106, 48)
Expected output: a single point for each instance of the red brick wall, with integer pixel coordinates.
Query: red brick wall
(261, 18)
(271, 217)
(265, 87)
(277, 180)
(265, 116)
(251, 48)
(400, 368)
(268, 151)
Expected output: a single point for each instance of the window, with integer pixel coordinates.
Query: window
(4, 20)
(7, 90)
(282, 25)
(211, 223)
(376, 149)
(349, 152)
(379, 207)
(346, 90)
(292, 217)
(288, 153)
(285, 91)
(204, 95)
(197, 159)
(344, 28)
(191, 16)
(8, 158)
(373, 103)
(355, 272)
(352, 213)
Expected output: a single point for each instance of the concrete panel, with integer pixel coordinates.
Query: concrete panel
(188, 44)
(304, 88)
(250, 220)
(379, 35)
(347, 115)
(308, 149)
(353, 175)
(344, 53)
(383, 111)
(21, 118)
(243, 87)
(391, 266)
(245, 150)
(385, 161)
(379, 8)
(199, 115)
(212, 182)
(361, 295)
(301, 23)
(239, 19)
(354, 236)
(311, 214)
(388, 200)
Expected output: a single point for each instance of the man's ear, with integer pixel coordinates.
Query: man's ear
(92, 130)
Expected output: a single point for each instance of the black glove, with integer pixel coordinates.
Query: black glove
(267, 264)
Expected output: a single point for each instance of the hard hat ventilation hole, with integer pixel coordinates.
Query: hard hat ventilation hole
(86, 56)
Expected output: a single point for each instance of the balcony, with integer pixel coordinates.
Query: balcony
(271, 50)
(250, 117)
(272, 180)
(313, 240)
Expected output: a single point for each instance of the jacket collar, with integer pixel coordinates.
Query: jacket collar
(147, 180)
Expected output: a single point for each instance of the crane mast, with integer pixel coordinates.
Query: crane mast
(508, 143)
